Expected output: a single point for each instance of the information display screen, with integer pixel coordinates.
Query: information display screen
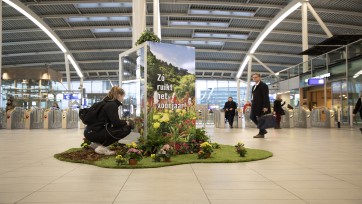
(315, 81)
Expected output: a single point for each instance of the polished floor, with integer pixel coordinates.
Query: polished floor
(318, 166)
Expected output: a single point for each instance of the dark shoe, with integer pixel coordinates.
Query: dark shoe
(258, 136)
(361, 130)
(131, 124)
(263, 133)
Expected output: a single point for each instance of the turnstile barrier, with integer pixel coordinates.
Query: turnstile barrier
(34, 118)
(248, 123)
(70, 118)
(219, 118)
(302, 118)
(2, 118)
(323, 117)
(15, 119)
(52, 118)
(287, 120)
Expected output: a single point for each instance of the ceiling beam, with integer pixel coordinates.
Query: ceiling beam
(229, 29)
(266, 19)
(116, 61)
(164, 38)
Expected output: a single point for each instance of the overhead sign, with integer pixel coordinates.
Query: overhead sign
(69, 96)
(315, 81)
(319, 77)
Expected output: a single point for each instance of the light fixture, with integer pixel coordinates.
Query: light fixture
(277, 74)
(222, 13)
(41, 26)
(104, 5)
(70, 58)
(100, 18)
(111, 30)
(260, 39)
(195, 42)
(220, 35)
(198, 23)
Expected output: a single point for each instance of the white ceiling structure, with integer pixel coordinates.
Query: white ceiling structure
(95, 32)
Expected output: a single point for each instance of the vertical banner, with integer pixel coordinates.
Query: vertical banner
(170, 91)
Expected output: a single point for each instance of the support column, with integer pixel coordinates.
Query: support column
(81, 92)
(156, 18)
(248, 98)
(238, 91)
(67, 73)
(325, 92)
(305, 33)
(1, 53)
(138, 19)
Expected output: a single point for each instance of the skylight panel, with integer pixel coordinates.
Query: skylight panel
(86, 19)
(195, 42)
(104, 5)
(221, 35)
(111, 30)
(222, 13)
(197, 23)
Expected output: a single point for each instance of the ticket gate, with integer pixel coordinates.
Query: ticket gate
(287, 120)
(15, 119)
(34, 118)
(219, 118)
(52, 118)
(2, 119)
(323, 117)
(239, 114)
(302, 118)
(248, 123)
(70, 118)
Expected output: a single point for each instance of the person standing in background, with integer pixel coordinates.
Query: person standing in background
(260, 104)
(278, 110)
(230, 107)
(358, 108)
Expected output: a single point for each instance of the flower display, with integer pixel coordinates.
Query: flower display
(156, 117)
(206, 147)
(165, 118)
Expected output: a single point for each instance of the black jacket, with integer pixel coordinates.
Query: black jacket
(358, 107)
(109, 114)
(229, 105)
(260, 99)
(278, 106)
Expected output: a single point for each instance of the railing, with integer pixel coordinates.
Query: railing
(319, 65)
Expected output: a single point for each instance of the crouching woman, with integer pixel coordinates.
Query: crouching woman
(108, 128)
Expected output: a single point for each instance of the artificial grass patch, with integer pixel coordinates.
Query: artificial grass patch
(226, 154)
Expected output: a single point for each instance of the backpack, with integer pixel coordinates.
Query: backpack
(89, 115)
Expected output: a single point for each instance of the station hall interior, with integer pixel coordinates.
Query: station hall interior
(58, 56)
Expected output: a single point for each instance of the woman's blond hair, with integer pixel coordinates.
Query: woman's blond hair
(114, 92)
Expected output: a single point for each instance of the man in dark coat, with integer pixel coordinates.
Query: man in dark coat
(358, 109)
(260, 102)
(230, 107)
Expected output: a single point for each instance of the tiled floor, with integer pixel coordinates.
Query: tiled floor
(318, 166)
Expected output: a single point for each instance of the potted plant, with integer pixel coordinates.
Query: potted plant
(166, 152)
(205, 150)
(240, 149)
(134, 155)
(147, 36)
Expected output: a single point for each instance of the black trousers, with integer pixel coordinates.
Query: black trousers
(231, 118)
(254, 118)
(106, 135)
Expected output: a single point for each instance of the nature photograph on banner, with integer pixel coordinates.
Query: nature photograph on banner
(171, 111)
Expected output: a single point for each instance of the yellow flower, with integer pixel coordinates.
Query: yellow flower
(178, 110)
(205, 144)
(194, 118)
(165, 118)
(119, 156)
(156, 125)
(156, 117)
(153, 156)
(184, 111)
(166, 110)
(132, 145)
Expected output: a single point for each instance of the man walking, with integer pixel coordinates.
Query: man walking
(260, 102)
(229, 108)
